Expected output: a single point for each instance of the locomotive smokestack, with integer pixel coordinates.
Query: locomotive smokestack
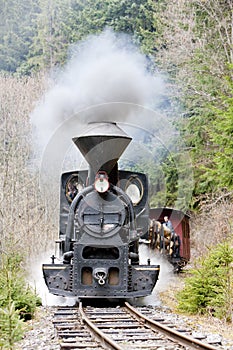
(102, 145)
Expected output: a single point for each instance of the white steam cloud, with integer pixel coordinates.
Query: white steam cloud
(106, 70)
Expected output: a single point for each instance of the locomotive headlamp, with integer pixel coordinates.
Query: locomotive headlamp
(101, 182)
(134, 189)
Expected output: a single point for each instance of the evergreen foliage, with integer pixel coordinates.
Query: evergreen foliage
(135, 18)
(14, 289)
(196, 51)
(221, 137)
(211, 64)
(17, 26)
(209, 289)
(49, 41)
(214, 172)
(37, 35)
(11, 326)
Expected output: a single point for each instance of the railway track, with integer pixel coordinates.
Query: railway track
(117, 328)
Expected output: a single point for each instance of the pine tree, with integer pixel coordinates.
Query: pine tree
(17, 28)
(209, 289)
(221, 136)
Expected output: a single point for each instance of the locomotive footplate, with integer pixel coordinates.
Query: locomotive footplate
(139, 281)
(58, 278)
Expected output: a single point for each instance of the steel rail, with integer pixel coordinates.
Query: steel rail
(101, 335)
(170, 333)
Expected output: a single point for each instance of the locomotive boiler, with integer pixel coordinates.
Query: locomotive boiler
(103, 213)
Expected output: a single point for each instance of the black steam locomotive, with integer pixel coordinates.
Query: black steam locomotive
(103, 213)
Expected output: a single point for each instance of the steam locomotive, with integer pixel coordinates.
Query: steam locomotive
(103, 213)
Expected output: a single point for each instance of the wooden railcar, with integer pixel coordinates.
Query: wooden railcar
(165, 243)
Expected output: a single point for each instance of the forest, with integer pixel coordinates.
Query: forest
(188, 44)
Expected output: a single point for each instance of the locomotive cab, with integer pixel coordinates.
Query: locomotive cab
(103, 213)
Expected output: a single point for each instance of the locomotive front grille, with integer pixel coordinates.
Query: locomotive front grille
(104, 274)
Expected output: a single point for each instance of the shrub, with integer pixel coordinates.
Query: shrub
(13, 286)
(17, 301)
(209, 289)
(11, 328)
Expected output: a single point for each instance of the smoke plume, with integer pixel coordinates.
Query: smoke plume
(106, 78)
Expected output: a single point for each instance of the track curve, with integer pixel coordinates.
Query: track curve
(120, 328)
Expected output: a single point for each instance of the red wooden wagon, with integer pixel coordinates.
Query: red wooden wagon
(176, 245)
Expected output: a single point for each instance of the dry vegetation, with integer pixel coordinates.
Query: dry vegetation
(213, 225)
(24, 213)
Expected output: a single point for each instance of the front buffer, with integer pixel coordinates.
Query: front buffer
(100, 281)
